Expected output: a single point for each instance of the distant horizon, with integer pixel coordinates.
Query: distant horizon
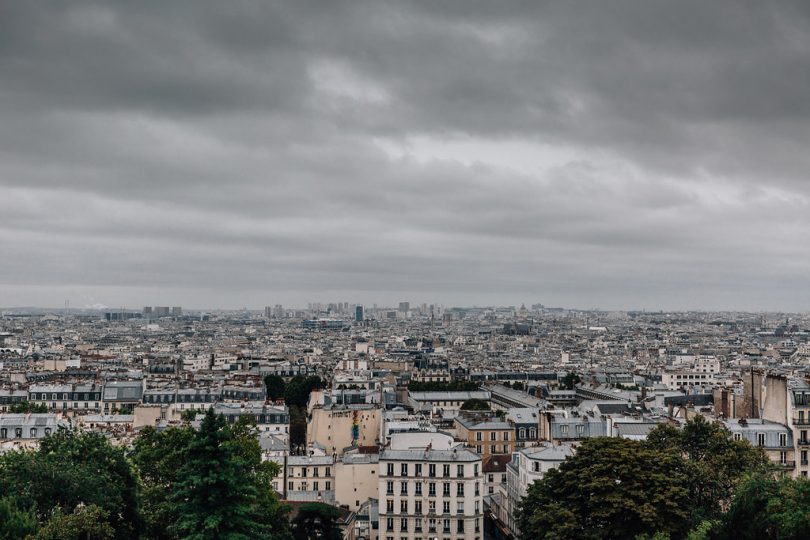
(413, 307)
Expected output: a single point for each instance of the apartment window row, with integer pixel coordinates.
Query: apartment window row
(433, 525)
(404, 470)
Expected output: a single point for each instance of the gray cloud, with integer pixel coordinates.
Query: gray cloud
(223, 154)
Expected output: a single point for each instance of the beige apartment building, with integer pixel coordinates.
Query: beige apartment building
(486, 435)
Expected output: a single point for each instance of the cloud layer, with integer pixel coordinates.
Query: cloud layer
(227, 154)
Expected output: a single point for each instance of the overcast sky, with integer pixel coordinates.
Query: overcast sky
(584, 154)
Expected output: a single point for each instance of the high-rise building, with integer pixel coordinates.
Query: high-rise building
(268, 312)
(404, 306)
(161, 311)
(177, 311)
(358, 314)
(147, 312)
(278, 311)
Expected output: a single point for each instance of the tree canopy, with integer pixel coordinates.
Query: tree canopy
(611, 488)
(475, 405)
(677, 481)
(316, 521)
(275, 386)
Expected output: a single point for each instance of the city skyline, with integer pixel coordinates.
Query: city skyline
(215, 155)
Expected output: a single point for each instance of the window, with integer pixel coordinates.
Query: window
(477, 490)
(390, 488)
(804, 457)
(580, 429)
(460, 471)
(432, 470)
(328, 486)
(506, 435)
(783, 439)
(389, 506)
(315, 472)
(432, 489)
(418, 471)
(328, 471)
(290, 486)
(403, 524)
(460, 489)
(460, 526)
(432, 525)
(446, 507)
(522, 433)
(33, 432)
(419, 488)
(475, 469)
(446, 489)
(303, 472)
(760, 439)
(446, 526)
(783, 457)
(532, 433)
(478, 449)
(432, 506)
(417, 508)
(315, 486)
(403, 469)
(477, 525)
(737, 436)
(403, 488)
(493, 436)
(390, 469)
(460, 507)
(389, 524)
(493, 449)
(490, 477)
(478, 436)
(446, 471)
(564, 429)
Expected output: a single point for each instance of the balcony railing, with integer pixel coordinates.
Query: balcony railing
(801, 421)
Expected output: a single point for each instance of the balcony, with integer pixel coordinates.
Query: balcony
(787, 464)
(801, 421)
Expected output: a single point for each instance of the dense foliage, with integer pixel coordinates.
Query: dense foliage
(675, 482)
(296, 396)
(275, 386)
(316, 521)
(570, 381)
(475, 405)
(27, 407)
(438, 386)
(175, 483)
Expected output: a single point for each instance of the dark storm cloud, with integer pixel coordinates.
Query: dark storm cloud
(614, 154)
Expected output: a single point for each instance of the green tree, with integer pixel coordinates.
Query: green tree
(768, 508)
(27, 407)
(714, 462)
(611, 488)
(570, 381)
(275, 386)
(85, 523)
(71, 469)
(316, 521)
(16, 522)
(438, 386)
(518, 386)
(189, 415)
(298, 389)
(215, 497)
(475, 405)
(159, 456)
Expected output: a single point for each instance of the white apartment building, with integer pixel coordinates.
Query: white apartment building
(428, 494)
(527, 466)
